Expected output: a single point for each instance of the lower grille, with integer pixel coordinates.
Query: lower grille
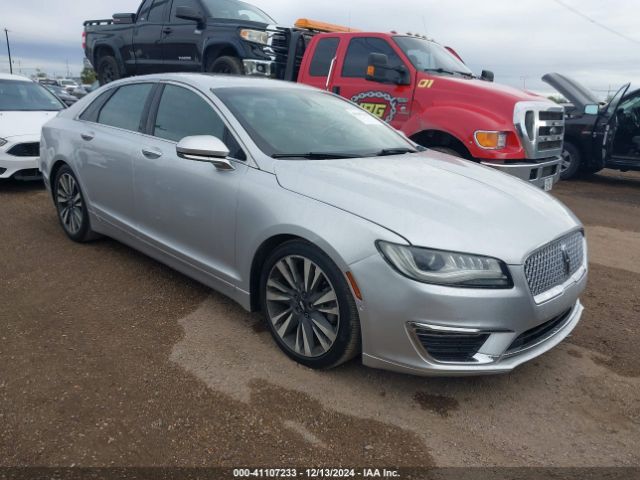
(544, 146)
(555, 263)
(27, 173)
(533, 336)
(451, 347)
(25, 150)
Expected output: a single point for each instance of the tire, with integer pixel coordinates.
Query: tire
(226, 65)
(321, 335)
(447, 150)
(108, 70)
(71, 206)
(571, 161)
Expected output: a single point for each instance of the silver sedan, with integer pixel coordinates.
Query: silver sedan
(351, 239)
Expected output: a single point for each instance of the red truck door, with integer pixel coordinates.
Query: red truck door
(324, 56)
(388, 101)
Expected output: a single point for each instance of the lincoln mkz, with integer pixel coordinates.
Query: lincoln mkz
(350, 238)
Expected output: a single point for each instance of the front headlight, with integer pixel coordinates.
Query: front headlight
(3, 142)
(491, 140)
(440, 267)
(255, 36)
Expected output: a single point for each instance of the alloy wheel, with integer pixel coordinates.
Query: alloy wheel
(302, 306)
(70, 206)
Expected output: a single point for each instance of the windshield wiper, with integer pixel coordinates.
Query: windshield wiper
(450, 72)
(315, 155)
(395, 151)
(439, 70)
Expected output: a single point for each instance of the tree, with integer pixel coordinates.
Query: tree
(88, 76)
(558, 99)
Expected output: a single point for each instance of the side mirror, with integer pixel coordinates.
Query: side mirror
(591, 109)
(378, 70)
(487, 76)
(124, 18)
(205, 148)
(188, 13)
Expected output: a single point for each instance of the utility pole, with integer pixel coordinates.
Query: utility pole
(6, 33)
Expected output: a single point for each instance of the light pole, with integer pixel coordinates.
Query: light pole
(6, 33)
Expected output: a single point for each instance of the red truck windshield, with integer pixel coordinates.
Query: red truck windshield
(429, 56)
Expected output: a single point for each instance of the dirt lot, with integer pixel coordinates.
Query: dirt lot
(109, 358)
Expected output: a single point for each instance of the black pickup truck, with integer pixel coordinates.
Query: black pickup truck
(218, 36)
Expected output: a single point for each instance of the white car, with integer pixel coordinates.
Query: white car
(25, 106)
(68, 85)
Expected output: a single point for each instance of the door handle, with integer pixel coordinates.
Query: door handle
(88, 136)
(167, 30)
(151, 154)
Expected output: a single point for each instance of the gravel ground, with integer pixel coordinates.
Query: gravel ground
(108, 358)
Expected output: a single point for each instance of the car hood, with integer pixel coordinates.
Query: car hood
(13, 124)
(577, 94)
(437, 201)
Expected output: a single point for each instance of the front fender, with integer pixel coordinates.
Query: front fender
(342, 236)
(461, 122)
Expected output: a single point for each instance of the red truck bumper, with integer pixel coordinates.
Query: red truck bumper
(541, 173)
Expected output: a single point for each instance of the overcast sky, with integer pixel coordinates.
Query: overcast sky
(519, 40)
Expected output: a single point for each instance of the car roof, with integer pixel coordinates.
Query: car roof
(19, 78)
(206, 81)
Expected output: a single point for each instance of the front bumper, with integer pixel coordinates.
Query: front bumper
(261, 68)
(394, 307)
(543, 173)
(24, 168)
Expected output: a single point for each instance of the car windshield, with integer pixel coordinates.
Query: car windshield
(235, 10)
(296, 123)
(428, 56)
(16, 95)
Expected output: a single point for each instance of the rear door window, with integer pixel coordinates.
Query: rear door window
(124, 109)
(156, 15)
(323, 56)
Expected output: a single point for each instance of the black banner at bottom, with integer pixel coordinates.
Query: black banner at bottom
(530, 473)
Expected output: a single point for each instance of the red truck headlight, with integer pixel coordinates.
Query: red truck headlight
(491, 140)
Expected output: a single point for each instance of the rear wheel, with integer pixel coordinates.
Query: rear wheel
(71, 207)
(226, 65)
(571, 160)
(309, 307)
(108, 70)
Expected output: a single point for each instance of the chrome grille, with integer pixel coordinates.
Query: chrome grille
(541, 129)
(553, 264)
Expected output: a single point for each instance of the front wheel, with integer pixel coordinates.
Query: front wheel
(71, 206)
(571, 160)
(310, 310)
(226, 65)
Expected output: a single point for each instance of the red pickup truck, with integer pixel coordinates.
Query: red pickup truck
(427, 92)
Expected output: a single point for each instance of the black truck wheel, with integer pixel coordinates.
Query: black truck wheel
(108, 70)
(571, 161)
(226, 65)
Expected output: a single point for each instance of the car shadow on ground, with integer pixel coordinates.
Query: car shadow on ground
(11, 185)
